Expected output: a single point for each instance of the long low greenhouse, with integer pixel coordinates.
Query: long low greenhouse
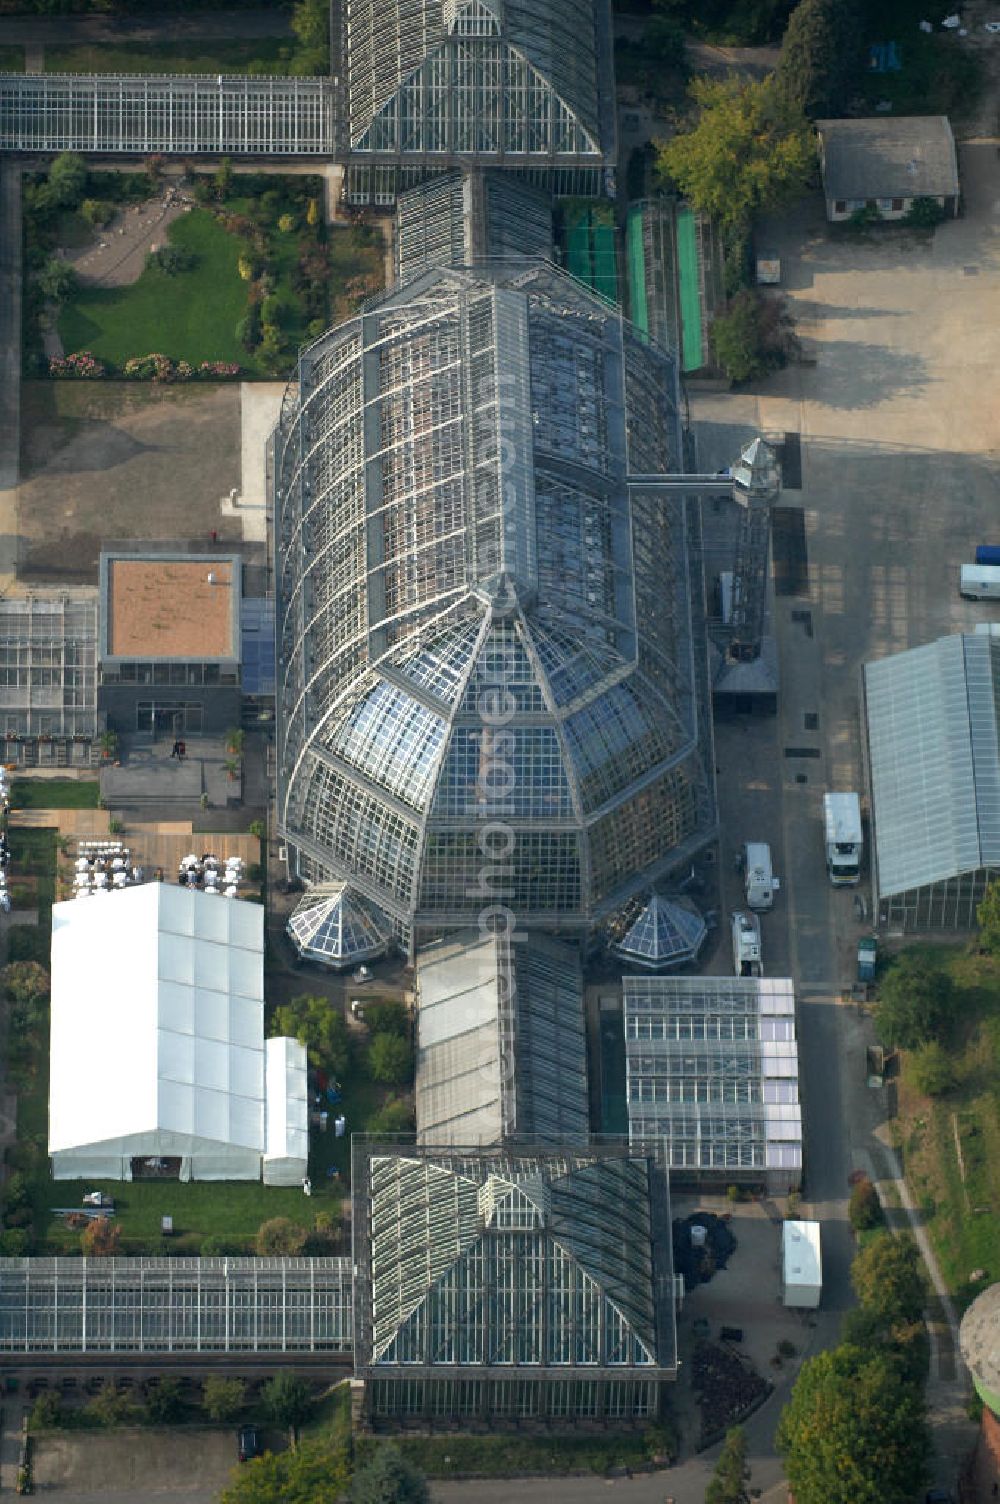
(176, 1305)
(126, 113)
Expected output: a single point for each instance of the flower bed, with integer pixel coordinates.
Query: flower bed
(153, 367)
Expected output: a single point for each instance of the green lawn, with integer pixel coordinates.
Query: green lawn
(33, 860)
(55, 793)
(11, 59)
(227, 1209)
(190, 317)
(963, 1213)
(264, 55)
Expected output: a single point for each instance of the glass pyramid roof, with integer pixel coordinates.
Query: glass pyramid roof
(339, 926)
(668, 932)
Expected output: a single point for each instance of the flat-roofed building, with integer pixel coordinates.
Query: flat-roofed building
(169, 648)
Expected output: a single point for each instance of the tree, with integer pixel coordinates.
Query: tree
(163, 1401)
(390, 1059)
(728, 1484)
(287, 1399)
(101, 1238)
(931, 1070)
(886, 1278)
(988, 914)
(394, 1116)
(25, 981)
(822, 56)
(47, 1412)
(68, 180)
(280, 1237)
(223, 1399)
(311, 28)
(111, 1406)
(913, 1001)
(389, 1479)
(388, 1018)
(864, 1208)
(750, 149)
(222, 182)
(854, 1431)
(57, 281)
(321, 1028)
(315, 1473)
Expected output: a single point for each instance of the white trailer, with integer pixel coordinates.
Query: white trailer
(844, 838)
(801, 1265)
(759, 881)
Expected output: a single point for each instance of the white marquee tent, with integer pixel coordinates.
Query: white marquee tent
(157, 1035)
(286, 1152)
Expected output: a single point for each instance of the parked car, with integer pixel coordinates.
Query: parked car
(249, 1444)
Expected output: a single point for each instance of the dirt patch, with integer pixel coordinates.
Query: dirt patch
(134, 1463)
(116, 255)
(120, 460)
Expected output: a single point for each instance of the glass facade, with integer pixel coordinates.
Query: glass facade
(486, 671)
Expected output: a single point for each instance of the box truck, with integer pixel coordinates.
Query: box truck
(747, 956)
(842, 818)
(979, 582)
(759, 882)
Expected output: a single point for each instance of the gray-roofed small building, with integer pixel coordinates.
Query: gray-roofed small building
(933, 764)
(518, 1286)
(501, 1049)
(886, 162)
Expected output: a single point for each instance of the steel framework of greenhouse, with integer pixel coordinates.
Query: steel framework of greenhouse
(173, 115)
(186, 1305)
(451, 514)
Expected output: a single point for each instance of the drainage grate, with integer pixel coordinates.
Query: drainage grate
(801, 778)
(801, 751)
(811, 720)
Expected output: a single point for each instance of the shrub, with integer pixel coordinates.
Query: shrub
(864, 217)
(931, 1070)
(223, 1399)
(98, 212)
(25, 981)
(15, 1192)
(26, 942)
(46, 1413)
(57, 281)
(280, 1237)
(864, 1208)
(15, 1243)
(101, 1238)
(924, 214)
(110, 1407)
(394, 1116)
(81, 365)
(68, 179)
(163, 1401)
(914, 1002)
(286, 224)
(171, 259)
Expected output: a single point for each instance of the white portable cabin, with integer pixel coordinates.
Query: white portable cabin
(801, 1264)
(286, 1147)
(759, 880)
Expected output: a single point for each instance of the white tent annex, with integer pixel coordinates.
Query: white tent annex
(286, 1151)
(157, 1042)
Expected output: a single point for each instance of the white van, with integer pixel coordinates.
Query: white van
(761, 884)
(979, 582)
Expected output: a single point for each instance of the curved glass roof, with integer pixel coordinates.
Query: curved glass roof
(335, 925)
(668, 932)
(462, 615)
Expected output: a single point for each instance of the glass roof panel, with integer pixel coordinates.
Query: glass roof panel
(339, 925)
(664, 934)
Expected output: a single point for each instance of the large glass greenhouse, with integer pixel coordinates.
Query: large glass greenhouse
(492, 686)
(434, 83)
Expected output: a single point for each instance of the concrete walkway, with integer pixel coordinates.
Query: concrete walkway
(10, 366)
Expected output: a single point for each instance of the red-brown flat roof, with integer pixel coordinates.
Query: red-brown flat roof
(167, 608)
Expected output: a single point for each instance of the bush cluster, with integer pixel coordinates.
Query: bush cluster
(153, 367)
